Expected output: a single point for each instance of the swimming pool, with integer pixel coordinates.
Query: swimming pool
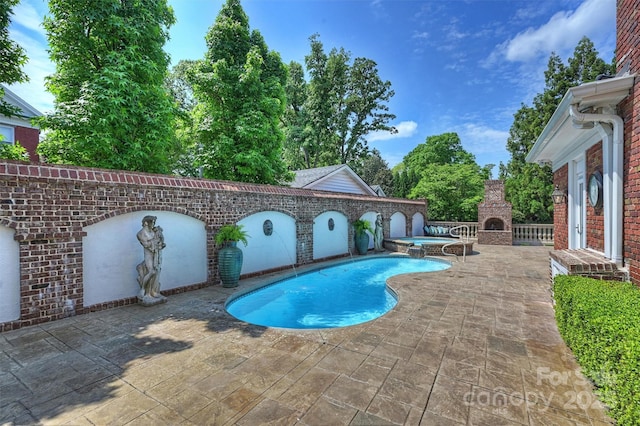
(336, 296)
(430, 246)
(419, 241)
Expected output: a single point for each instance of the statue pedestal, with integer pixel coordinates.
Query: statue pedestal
(150, 300)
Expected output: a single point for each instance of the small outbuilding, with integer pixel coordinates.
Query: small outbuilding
(336, 178)
(19, 127)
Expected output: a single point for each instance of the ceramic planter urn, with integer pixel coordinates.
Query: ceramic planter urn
(230, 264)
(362, 243)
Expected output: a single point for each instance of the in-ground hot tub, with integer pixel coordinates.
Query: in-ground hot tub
(429, 246)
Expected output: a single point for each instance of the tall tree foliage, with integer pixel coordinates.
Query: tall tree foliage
(452, 191)
(298, 148)
(440, 149)
(528, 186)
(404, 180)
(344, 101)
(239, 86)
(375, 171)
(179, 88)
(12, 57)
(111, 107)
(448, 178)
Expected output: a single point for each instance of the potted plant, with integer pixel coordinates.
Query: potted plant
(230, 256)
(360, 228)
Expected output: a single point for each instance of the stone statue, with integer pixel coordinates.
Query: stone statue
(152, 240)
(378, 235)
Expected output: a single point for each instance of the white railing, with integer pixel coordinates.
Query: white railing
(540, 233)
(522, 233)
(462, 232)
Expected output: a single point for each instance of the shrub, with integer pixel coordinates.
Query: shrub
(13, 152)
(600, 322)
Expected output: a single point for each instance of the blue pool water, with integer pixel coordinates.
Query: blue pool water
(428, 240)
(337, 296)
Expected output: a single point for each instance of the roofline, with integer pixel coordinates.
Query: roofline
(21, 103)
(602, 93)
(352, 173)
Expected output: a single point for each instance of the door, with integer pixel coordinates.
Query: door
(578, 209)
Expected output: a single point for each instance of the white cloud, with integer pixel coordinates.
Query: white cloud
(420, 35)
(26, 15)
(481, 139)
(405, 129)
(563, 31)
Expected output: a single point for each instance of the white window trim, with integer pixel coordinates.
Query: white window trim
(9, 134)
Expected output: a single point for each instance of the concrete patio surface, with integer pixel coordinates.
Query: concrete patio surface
(476, 344)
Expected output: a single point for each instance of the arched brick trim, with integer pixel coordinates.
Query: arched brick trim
(275, 209)
(127, 210)
(8, 223)
(329, 209)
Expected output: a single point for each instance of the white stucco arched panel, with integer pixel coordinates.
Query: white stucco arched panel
(398, 225)
(111, 252)
(9, 275)
(330, 242)
(417, 225)
(265, 252)
(371, 217)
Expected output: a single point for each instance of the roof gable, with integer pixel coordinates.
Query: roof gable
(337, 178)
(26, 110)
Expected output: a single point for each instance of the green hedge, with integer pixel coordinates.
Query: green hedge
(600, 322)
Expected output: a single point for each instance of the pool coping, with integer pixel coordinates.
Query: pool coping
(457, 247)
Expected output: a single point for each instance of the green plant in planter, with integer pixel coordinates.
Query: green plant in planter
(360, 228)
(230, 257)
(231, 233)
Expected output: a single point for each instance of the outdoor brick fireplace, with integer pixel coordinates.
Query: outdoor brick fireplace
(494, 216)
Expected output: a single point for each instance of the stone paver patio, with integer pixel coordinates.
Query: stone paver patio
(473, 345)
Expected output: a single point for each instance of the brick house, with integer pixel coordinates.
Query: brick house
(592, 142)
(19, 128)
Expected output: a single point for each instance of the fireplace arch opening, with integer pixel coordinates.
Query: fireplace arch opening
(494, 224)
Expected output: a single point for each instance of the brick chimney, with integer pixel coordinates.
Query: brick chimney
(494, 216)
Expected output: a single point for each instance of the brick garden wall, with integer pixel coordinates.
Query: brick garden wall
(560, 218)
(49, 207)
(628, 52)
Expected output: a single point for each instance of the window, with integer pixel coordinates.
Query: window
(7, 134)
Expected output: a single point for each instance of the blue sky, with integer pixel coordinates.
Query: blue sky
(462, 66)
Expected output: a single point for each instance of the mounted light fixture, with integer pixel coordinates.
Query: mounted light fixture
(558, 196)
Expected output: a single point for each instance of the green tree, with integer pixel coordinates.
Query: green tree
(375, 171)
(239, 86)
(448, 177)
(528, 186)
(179, 88)
(440, 149)
(345, 101)
(452, 191)
(111, 109)
(298, 148)
(12, 57)
(404, 180)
